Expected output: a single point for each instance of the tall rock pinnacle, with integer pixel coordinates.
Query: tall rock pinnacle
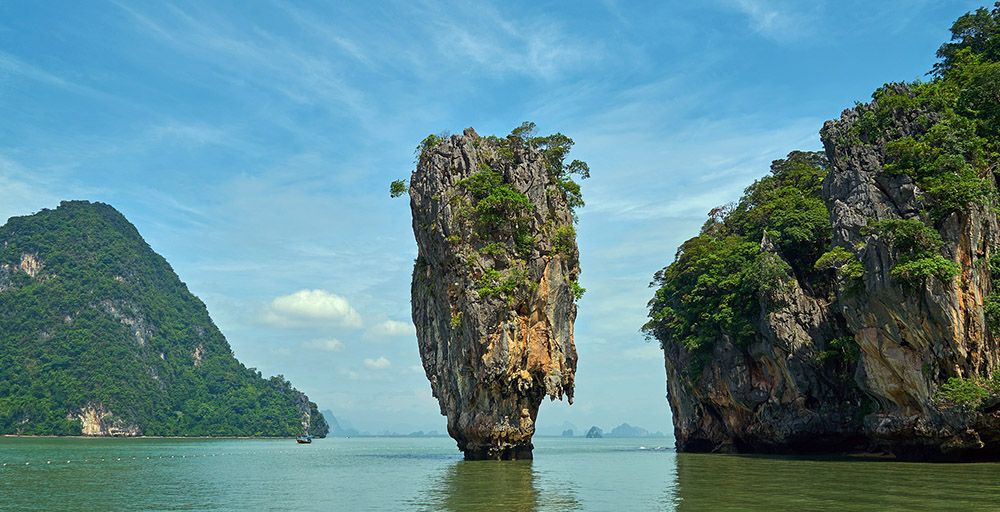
(495, 282)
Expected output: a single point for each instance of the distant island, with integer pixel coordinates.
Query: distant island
(623, 430)
(98, 336)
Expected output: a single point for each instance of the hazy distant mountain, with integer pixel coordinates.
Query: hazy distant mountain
(552, 430)
(338, 429)
(626, 430)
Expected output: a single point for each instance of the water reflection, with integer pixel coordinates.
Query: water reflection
(724, 482)
(493, 485)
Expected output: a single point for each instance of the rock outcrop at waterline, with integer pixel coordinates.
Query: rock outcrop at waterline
(494, 283)
(861, 314)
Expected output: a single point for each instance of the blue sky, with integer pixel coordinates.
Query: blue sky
(252, 144)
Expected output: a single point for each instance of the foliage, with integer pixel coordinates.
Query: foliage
(564, 240)
(502, 217)
(954, 150)
(707, 292)
(499, 209)
(503, 284)
(397, 188)
(456, 320)
(843, 349)
(68, 338)
(977, 32)
(917, 270)
(787, 204)
(917, 246)
(576, 289)
(961, 392)
(554, 149)
(945, 162)
(991, 309)
(430, 142)
(493, 249)
(714, 286)
(844, 262)
(978, 98)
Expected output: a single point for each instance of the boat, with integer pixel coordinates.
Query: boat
(304, 439)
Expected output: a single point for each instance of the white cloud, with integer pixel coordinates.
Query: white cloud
(312, 307)
(328, 345)
(378, 364)
(391, 328)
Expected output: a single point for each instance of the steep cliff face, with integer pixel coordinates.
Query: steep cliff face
(869, 324)
(493, 285)
(913, 335)
(98, 336)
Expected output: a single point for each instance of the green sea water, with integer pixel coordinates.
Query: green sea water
(428, 474)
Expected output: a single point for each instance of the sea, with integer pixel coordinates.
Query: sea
(403, 474)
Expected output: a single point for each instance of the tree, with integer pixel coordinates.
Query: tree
(397, 188)
(977, 32)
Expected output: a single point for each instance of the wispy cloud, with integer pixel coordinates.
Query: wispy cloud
(781, 21)
(12, 66)
(391, 328)
(277, 65)
(483, 39)
(377, 364)
(327, 345)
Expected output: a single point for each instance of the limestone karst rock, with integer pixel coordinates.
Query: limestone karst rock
(849, 300)
(887, 342)
(495, 282)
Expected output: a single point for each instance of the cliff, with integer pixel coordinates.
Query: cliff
(98, 336)
(495, 282)
(859, 314)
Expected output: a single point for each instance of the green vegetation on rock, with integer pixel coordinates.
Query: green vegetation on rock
(715, 285)
(917, 246)
(397, 188)
(104, 322)
(497, 219)
(968, 393)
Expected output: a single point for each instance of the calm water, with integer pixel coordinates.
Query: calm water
(428, 474)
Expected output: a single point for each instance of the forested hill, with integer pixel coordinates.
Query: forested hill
(99, 336)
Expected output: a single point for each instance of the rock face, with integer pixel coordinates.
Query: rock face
(97, 420)
(493, 288)
(773, 395)
(911, 337)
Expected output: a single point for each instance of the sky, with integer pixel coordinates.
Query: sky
(252, 144)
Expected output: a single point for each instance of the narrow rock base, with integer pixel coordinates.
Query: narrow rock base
(516, 452)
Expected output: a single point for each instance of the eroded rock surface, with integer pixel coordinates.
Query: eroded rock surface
(98, 420)
(493, 288)
(788, 389)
